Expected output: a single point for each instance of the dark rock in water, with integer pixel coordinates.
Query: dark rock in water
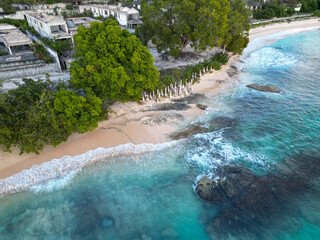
(232, 71)
(232, 181)
(189, 131)
(234, 67)
(264, 88)
(202, 106)
(168, 107)
(305, 164)
(208, 189)
(221, 122)
(194, 99)
(220, 81)
(216, 124)
(247, 199)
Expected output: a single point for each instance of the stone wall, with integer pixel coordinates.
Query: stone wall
(26, 68)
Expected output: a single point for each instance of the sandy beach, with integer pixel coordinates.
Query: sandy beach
(136, 122)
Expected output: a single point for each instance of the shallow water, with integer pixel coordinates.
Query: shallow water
(151, 195)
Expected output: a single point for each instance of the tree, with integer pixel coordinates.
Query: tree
(78, 113)
(37, 113)
(236, 38)
(309, 5)
(172, 24)
(112, 63)
(126, 2)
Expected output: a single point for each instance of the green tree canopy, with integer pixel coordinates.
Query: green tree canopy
(112, 63)
(236, 38)
(172, 24)
(309, 5)
(36, 114)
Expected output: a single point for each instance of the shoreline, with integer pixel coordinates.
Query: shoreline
(129, 124)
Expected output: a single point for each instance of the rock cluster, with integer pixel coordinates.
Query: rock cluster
(216, 124)
(249, 202)
(264, 88)
(202, 106)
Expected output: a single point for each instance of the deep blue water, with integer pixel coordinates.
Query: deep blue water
(151, 196)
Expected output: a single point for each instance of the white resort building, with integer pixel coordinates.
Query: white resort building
(137, 4)
(49, 26)
(12, 40)
(74, 23)
(127, 17)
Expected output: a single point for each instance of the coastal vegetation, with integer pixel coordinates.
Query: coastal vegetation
(112, 63)
(39, 113)
(173, 75)
(271, 11)
(316, 13)
(40, 52)
(202, 24)
(59, 46)
(277, 9)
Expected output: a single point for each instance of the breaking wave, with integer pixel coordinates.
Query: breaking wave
(57, 173)
(212, 149)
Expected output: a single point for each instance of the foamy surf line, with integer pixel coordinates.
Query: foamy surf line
(58, 168)
(262, 41)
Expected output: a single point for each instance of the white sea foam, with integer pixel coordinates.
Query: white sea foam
(270, 57)
(213, 150)
(57, 173)
(259, 42)
(53, 184)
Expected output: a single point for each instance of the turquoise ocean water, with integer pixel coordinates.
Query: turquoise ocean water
(151, 195)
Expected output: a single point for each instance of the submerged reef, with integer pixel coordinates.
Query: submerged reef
(250, 203)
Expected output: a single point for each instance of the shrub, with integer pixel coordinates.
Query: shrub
(316, 13)
(40, 52)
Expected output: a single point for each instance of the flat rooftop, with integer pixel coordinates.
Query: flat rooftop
(47, 18)
(4, 27)
(78, 21)
(16, 38)
(12, 36)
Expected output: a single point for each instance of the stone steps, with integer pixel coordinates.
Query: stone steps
(15, 68)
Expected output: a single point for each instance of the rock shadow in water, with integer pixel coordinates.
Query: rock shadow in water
(216, 124)
(251, 205)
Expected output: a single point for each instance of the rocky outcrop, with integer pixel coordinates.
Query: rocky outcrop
(194, 98)
(221, 122)
(189, 131)
(232, 181)
(202, 106)
(249, 202)
(246, 198)
(177, 106)
(216, 124)
(232, 71)
(264, 88)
